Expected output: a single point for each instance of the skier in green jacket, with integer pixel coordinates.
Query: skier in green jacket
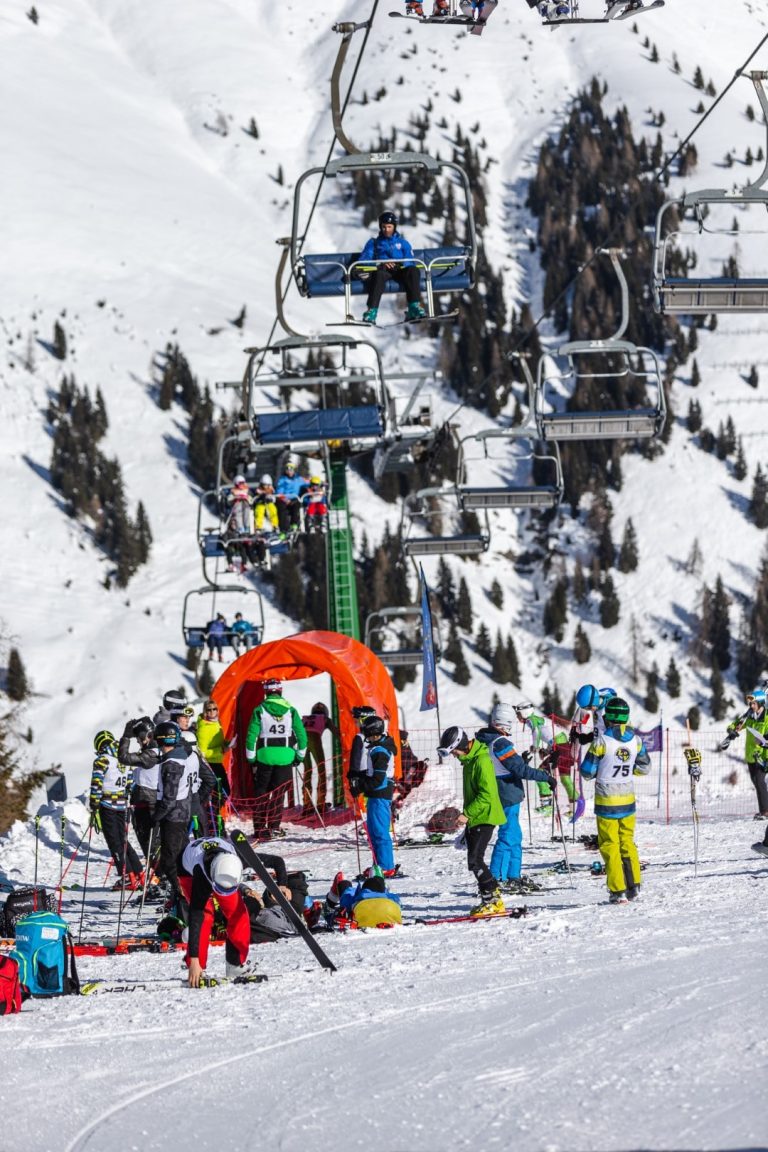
(276, 741)
(483, 811)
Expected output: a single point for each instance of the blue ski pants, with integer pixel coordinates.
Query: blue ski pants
(507, 856)
(379, 821)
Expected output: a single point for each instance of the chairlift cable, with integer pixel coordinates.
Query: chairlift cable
(347, 98)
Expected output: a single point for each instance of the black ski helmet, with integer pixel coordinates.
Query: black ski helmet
(387, 218)
(168, 734)
(372, 726)
(174, 700)
(143, 727)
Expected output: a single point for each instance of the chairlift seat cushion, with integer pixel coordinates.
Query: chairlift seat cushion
(362, 422)
(324, 274)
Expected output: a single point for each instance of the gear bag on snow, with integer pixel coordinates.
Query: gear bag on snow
(43, 943)
(23, 901)
(10, 986)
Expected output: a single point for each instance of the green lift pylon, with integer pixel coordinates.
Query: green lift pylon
(343, 614)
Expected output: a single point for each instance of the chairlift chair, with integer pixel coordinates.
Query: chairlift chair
(381, 626)
(202, 604)
(416, 507)
(612, 360)
(699, 295)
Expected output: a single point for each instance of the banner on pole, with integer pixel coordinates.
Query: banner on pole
(428, 668)
(653, 740)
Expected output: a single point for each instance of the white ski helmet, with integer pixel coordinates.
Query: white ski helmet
(502, 716)
(239, 479)
(266, 479)
(226, 872)
(524, 710)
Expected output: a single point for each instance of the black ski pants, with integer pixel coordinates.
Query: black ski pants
(114, 825)
(407, 278)
(143, 817)
(173, 840)
(760, 781)
(478, 839)
(272, 782)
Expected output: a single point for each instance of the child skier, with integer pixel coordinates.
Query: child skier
(264, 504)
(612, 760)
(210, 868)
(371, 774)
(755, 722)
(511, 769)
(369, 904)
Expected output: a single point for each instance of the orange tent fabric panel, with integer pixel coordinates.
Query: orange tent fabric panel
(358, 675)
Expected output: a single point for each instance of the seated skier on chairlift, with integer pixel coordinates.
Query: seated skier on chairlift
(397, 256)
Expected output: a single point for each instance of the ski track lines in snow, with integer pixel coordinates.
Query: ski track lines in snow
(582, 1028)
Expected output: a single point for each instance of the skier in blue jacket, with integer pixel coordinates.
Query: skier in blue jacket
(288, 495)
(397, 256)
(511, 769)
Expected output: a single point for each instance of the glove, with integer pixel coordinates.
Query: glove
(693, 760)
(355, 785)
(128, 730)
(527, 756)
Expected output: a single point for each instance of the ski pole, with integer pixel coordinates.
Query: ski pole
(357, 835)
(85, 881)
(61, 849)
(693, 760)
(124, 874)
(564, 839)
(304, 789)
(37, 844)
(147, 871)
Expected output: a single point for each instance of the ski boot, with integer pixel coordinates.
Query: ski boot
(440, 8)
(490, 905)
(415, 311)
(467, 9)
(562, 12)
(618, 898)
(521, 886)
(370, 314)
(761, 848)
(633, 893)
(414, 8)
(242, 973)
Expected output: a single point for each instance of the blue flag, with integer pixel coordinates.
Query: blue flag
(429, 671)
(653, 740)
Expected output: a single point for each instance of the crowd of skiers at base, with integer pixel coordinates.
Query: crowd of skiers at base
(493, 774)
(259, 515)
(478, 11)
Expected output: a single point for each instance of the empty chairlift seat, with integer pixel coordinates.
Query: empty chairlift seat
(425, 507)
(536, 480)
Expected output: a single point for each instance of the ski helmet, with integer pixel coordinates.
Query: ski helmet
(272, 687)
(757, 694)
(266, 479)
(143, 727)
(606, 694)
(316, 480)
(360, 711)
(103, 740)
(168, 734)
(174, 700)
(373, 726)
(320, 707)
(616, 711)
(524, 711)
(388, 218)
(588, 696)
(226, 872)
(502, 716)
(453, 740)
(239, 479)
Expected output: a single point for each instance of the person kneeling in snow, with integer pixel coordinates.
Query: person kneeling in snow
(369, 904)
(208, 868)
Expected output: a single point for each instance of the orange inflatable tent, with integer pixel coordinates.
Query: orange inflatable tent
(358, 675)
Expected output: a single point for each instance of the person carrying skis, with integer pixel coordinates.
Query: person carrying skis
(371, 774)
(394, 257)
(612, 761)
(755, 723)
(276, 741)
(111, 784)
(483, 811)
(208, 869)
(511, 769)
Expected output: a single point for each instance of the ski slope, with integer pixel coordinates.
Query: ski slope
(581, 1027)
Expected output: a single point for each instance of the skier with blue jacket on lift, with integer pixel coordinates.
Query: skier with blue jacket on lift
(397, 264)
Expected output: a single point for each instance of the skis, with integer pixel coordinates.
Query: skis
(97, 987)
(509, 914)
(615, 11)
(350, 323)
(433, 19)
(424, 844)
(252, 860)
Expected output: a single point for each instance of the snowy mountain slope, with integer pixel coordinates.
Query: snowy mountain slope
(134, 216)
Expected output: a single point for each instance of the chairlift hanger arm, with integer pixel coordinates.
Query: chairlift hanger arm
(346, 30)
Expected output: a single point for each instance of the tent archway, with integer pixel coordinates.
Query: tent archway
(358, 675)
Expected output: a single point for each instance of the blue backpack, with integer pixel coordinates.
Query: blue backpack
(43, 942)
